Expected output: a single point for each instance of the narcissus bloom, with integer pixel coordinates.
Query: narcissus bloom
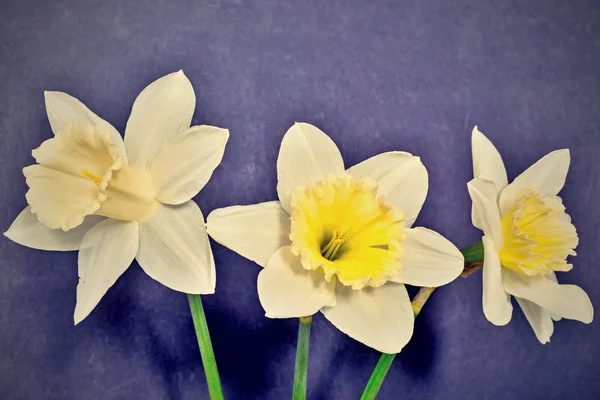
(341, 241)
(527, 238)
(116, 200)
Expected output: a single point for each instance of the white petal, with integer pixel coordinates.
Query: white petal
(187, 162)
(381, 318)
(487, 165)
(163, 109)
(106, 252)
(483, 195)
(305, 157)
(487, 162)
(496, 302)
(174, 249)
(255, 231)
(430, 260)
(567, 301)
(547, 177)
(63, 109)
(59, 194)
(402, 179)
(552, 276)
(286, 289)
(26, 230)
(60, 200)
(538, 318)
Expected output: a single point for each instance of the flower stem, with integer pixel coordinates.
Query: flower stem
(473, 253)
(301, 369)
(377, 377)
(473, 256)
(206, 350)
(419, 301)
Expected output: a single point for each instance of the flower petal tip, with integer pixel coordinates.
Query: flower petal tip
(274, 316)
(179, 74)
(77, 317)
(48, 93)
(543, 341)
(476, 134)
(590, 318)
(500, 322)
(478, 137)
(8, 235)
(565, 153)
(202, 291)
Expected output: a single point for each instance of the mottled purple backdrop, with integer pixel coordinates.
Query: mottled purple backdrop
(376, 76)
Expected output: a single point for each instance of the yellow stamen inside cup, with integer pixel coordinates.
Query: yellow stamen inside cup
(342, 227)
(330, 250)
(538, 235)
(85, 173)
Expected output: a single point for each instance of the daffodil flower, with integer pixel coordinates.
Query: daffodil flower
(116, 200)
(527, 238)
(341, 241)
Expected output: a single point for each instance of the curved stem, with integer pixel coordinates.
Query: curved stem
(473, 256)
(301, 369)
(206, 351)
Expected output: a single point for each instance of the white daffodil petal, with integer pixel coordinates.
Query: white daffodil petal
(487, 161)
(487, 165)
(567, 301)
(547, 177)
(106, 252)
(496, 302)
(538, 318)
(255, 231)
(430, 260)
(162, 109)
(483, 194)
(552, 276)
(71, 179)
(187, 162)
(60, 200)
(402, 180)
(381, 318)
(287, 290)
(306, 156)
(63, 109)
(27, 230)
(175, 251)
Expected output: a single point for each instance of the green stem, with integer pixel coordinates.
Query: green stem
(377, 377)
(473, 253)
(206, 350)
(301, 369)
(473, 256)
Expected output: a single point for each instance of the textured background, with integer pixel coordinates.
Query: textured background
(376, 76)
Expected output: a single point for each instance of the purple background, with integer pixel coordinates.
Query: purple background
(376, 76)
